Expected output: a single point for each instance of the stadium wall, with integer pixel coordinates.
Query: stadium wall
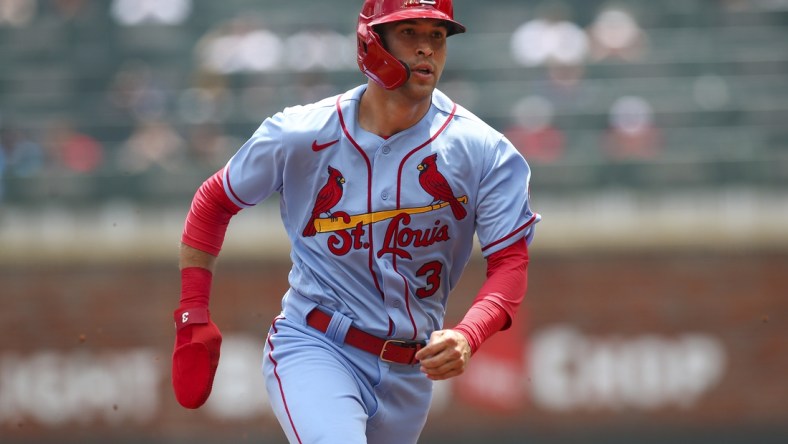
(611, 346)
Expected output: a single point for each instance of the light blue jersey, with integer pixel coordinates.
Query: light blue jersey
(391, 266)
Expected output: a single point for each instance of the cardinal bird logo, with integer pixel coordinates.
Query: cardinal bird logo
(327, 197)
(436, 186)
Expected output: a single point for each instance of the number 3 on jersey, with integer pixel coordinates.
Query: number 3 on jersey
(432, 271)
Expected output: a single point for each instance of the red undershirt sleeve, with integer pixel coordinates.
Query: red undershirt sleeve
(209, 215)
(500, 296)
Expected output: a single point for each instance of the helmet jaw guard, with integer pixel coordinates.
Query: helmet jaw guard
(373, 59)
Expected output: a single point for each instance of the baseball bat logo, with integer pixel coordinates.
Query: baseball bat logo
(430, 179)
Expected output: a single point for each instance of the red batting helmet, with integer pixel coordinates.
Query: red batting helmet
(373, 58)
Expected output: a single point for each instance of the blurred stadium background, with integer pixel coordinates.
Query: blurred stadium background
(658, 302)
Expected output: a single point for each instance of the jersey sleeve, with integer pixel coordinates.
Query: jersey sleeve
(503, 213)
(255, 171)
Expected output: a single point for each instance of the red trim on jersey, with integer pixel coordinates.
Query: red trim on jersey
(279, 380)
(226, 177)
(369, 197)
(500, 296)
(209, 215)
(508, 236)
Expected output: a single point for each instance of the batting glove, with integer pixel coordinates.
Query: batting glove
(197, 344)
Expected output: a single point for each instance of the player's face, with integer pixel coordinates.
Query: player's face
(421, 44)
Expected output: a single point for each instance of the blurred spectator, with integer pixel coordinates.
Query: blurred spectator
(24, 157)
(136, 93)
(615, 34)
(549, 39)
(240, 45)
(17, 13)
(258, 96)
(565, 78)
(533, 133)
(554, 41)
(243, 44)
(317, 49)
(73, 151)
(311, 86)
(711, 92)
(210, 147)
(153, 144)
(209, 100)
(151, 12)
(632, 134)
(69, 9)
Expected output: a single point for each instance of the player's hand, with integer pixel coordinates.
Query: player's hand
(196, 356)
(445, 356)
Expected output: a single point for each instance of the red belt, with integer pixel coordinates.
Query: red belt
(389, 350)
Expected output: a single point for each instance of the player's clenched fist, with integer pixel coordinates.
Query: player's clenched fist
(445, 356)
(197, 342)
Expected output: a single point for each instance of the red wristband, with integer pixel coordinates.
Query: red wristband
(187, 316)
(195, 287)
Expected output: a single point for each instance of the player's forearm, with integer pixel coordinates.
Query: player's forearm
(191, 257)
(500, 296)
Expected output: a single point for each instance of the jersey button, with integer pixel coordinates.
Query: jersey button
(386, 149)
(384, 195)
(396, 304)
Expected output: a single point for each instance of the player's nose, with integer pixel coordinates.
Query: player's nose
(424, 46)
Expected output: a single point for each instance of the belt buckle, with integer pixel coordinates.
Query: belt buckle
(416, 345)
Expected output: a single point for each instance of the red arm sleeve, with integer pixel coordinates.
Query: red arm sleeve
(500, 296)
(209, 215)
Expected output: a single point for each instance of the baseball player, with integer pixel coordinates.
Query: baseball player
(382, 190)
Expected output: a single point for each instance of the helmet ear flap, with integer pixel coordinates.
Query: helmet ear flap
(377, 63)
